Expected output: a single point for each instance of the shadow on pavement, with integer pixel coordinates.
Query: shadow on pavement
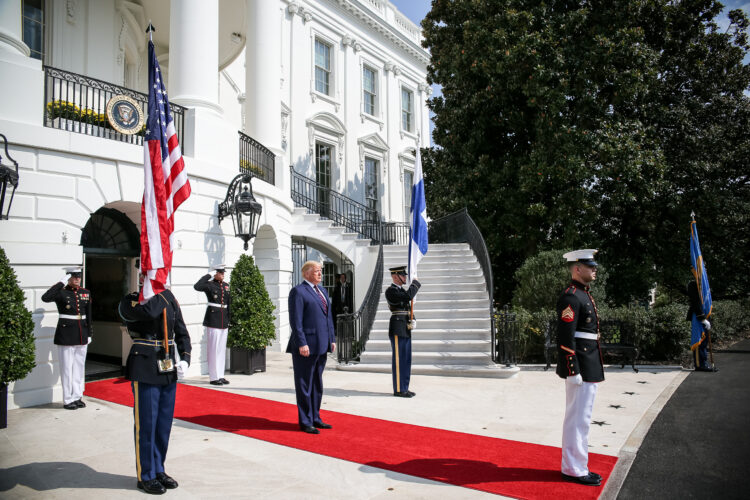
(45, 476)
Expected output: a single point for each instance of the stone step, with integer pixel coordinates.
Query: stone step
(442, 323)
(444, 370)
(426, 301)
(430, 357)
(424, 313)
(438, 334)
(430, 345)
(435, 294)
(451, 288)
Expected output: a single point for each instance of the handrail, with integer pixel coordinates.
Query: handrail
(78, 103)
(256, 159)
(353, 330)
(459, 227)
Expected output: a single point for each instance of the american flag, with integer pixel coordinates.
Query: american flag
(166, 185)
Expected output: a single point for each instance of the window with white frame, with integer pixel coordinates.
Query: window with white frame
(371, 185)
(408, 181)
(369, 90)
(407, 110)
(33, 27)
(322, 67)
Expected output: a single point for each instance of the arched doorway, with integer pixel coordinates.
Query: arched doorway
(111, 245)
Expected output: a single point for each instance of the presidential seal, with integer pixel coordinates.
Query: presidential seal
(125, 114)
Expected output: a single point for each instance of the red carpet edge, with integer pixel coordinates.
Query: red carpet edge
(494, 465)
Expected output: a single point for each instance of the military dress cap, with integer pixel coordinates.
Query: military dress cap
(398, 270)
(585, 256)
(218, 268)
(74, 271)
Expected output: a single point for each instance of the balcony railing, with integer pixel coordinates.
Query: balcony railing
(256, 159)
(77, 103)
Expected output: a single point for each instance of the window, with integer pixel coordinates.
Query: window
(408, 181)
(407, 109)
(322, 67)
(33, 27)
(369, 90)
(323, 155)
(371, 186)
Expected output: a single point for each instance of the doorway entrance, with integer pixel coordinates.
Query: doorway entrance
(111, 246)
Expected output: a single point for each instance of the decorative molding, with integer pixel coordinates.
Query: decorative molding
(406, 161)
(329, 127)
(377, 147)
(347, 41)
(285, 113)
(71, 11)
(293, 7)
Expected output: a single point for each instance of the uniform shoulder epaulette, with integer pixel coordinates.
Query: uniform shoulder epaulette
(571, 290)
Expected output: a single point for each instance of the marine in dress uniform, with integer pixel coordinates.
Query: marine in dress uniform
(700, 353)
(399, 329)
(579, 362)
(216, 322)
(154, 380)
(73, 334)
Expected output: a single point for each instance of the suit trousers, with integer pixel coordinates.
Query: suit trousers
(400, 362)
(579, 403)
(153, 410)
(216, 348)
(308, 386)
(72, 371)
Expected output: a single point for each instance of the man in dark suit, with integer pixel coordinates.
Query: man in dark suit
(158, 333)
(399, 329)
(312, 338)
(343, 300)
(579, 362)
(72, 335)
(216, 322)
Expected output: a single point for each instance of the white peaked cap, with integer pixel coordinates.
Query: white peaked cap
(584, 256)
(73, 269)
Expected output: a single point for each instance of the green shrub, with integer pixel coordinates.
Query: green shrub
(252, 320)
(730, 319)
(17, 355)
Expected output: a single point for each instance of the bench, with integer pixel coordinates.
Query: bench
(617, 339)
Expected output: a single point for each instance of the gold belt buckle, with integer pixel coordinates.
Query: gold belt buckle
(165, 365)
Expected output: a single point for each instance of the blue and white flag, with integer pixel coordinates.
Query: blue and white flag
(704, 290)
(418, 215)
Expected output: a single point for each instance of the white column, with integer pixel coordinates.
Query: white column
(11, 28)
(194, 53)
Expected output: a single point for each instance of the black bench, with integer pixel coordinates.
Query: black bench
(617, 339)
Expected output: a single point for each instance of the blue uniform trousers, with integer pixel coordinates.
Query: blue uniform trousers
(308, 386)
(153, 410)
(400, 362)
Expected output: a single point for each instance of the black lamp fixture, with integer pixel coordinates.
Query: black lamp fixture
(7, 176)
(241, 205)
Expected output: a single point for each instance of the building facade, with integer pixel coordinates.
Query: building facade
(322, 100)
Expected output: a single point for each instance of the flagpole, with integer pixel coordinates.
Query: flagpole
(150, 30)
(708, 332)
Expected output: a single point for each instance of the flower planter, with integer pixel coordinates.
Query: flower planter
(247, 361)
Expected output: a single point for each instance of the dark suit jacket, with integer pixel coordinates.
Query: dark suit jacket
(696, 307)
(310, 325)
(577, 312)
(348, 301)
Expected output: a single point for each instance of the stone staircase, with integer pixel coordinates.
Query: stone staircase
(452, 336)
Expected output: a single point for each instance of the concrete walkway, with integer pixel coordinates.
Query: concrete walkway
(49, 452)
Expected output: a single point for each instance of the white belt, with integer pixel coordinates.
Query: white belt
(586, 335)
(72, 316)
(222, 306)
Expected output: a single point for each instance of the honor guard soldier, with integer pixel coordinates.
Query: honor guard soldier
(216, 321)
(399, 329)
(579, 362)
(159, 333)
(700, 352)
(73, 333)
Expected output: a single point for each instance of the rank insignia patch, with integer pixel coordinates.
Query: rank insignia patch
(567, 315)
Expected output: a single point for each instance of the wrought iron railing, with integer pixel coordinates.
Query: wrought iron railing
(459, 227)
(256, 159)
(353, 330)
(507, 336)
(78, 103)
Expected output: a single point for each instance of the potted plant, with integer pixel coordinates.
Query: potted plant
(251, 320)
(17, 357)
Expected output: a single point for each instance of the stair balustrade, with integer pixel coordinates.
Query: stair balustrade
(256, 159)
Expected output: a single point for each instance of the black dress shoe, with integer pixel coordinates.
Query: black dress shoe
(216, 382)
(80, 403)
(595, 475)
(166, 481)
(587, 480)
(322, 425)
(706, 369)
(71, 406)
(309, 429)
(152, 487)
(412, 393)
(404, 394)
(224, 381)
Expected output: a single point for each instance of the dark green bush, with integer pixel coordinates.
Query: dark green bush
(252, 320)
(17, 353)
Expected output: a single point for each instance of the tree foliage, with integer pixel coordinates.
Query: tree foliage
(17, 354)
(593, 124)
(251, 323)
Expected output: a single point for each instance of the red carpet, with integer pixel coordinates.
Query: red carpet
(499, 466)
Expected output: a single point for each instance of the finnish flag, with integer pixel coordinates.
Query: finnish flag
(418, 215)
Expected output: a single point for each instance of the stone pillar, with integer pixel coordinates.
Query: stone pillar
(11, 28)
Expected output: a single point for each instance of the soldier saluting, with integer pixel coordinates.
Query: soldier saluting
(73, 333)
(216, 322)
(399, 329)
(579, 362)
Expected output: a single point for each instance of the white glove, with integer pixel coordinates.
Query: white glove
(706, 324)
(575, 380)
(64, 279)
(414, 324)
(90, 340)
(182, 368)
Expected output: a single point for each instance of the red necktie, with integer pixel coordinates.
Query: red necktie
(322, 299)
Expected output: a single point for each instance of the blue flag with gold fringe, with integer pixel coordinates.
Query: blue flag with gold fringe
(704, 290)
